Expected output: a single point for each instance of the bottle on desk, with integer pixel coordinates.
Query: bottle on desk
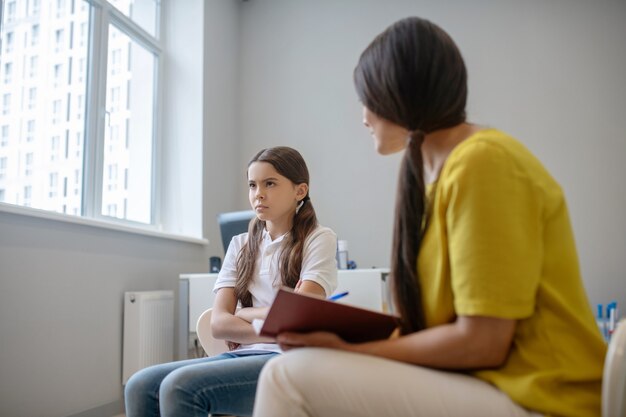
(342, 254)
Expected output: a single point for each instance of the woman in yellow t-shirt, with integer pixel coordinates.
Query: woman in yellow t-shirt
(495, 320)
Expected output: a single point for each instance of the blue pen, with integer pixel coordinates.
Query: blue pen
(338, 296)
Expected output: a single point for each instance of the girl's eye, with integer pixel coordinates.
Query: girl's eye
(251, 185)
(270, 183)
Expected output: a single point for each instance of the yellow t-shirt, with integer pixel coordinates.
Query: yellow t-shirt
(499, 244)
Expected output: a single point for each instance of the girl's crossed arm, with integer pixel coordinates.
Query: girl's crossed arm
(232, 325)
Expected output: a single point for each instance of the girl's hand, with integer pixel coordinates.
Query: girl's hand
(289, 341)
(232, 345)
(250, 313)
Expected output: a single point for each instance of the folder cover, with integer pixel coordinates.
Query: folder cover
(301, 313)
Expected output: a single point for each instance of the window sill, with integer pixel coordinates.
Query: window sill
(102, 224)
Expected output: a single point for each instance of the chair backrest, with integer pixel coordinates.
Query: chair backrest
(210, 345)
(614, 376)
(232, 224)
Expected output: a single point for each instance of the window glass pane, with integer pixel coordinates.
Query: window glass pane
(142, 12)
(40, 90)
(128, 140)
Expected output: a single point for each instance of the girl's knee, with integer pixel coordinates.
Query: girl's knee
(139, 383)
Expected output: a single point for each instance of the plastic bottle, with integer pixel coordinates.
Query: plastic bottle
(342, 254)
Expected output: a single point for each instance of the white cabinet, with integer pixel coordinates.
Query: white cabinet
(367, 289)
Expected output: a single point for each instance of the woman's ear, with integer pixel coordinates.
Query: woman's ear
(301, 191)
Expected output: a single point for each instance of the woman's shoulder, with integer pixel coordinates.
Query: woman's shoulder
(489, 141)
(496, 149)
(491, 154)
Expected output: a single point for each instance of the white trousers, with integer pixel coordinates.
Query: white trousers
(326, 383)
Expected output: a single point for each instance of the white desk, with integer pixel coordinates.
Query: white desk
(367, 287)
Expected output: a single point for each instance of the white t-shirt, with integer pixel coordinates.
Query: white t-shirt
(318, 265)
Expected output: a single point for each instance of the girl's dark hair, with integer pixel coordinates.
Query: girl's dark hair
(290, 164)
(412, 74)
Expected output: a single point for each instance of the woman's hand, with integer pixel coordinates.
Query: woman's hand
(289, 341)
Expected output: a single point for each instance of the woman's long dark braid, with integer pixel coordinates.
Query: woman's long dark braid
(408, 231)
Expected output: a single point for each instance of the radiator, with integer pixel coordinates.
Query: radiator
(148, 330)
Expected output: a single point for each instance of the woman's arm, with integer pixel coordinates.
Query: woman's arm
(471, 342)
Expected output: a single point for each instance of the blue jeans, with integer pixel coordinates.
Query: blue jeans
(222, 384)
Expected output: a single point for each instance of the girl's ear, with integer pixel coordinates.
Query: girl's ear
(301, 191)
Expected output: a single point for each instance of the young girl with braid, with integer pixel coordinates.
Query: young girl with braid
(284, 246)
(495, 320)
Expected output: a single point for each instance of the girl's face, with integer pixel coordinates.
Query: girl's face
(390, 137)
(272, 196)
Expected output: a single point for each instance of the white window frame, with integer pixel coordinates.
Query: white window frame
(182, 220)
(103, 14)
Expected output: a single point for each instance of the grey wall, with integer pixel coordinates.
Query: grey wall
(550, 73)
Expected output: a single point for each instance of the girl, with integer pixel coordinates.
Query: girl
(284, 246)
(495, 320)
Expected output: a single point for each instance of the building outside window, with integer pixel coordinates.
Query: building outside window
(128, 49)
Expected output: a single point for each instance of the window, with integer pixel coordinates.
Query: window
(55, 144)
(34, 35)
(34, 62)
(102, 173)
(6, 103)
(56, 112)
(60, 9)
(81, 70)
(30, 131)
(8, 70)
(58, 74)
(34, 6)
(53, 184)
(4, 138)
(83, 34)
(28, 164)
(10, 11)
(58, 40)
(32, 98)
(8, 38)
(28, 192)
(3, 167)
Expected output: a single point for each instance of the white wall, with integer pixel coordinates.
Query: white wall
(550, 73)
(62, 285)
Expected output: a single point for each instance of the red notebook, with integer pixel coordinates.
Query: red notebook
(297, 312)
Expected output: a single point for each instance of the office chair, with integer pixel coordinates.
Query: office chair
(614, 376)
(232, 224)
